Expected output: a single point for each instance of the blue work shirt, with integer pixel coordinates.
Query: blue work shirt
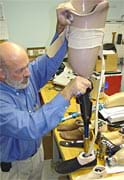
(23, 119)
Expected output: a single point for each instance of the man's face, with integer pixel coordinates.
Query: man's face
(14, 65)
(17, 76)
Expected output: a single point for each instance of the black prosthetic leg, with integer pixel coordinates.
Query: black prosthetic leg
(84, 160)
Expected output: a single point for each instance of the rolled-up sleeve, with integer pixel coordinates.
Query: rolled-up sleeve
(25, 125)
(45, 67)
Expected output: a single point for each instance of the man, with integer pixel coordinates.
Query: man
(23, 120)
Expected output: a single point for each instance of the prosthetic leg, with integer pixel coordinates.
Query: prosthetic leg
(84, 160)
(85, 38)
(86, 109)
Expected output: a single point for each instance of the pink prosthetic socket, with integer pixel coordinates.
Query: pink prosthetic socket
(85, 34)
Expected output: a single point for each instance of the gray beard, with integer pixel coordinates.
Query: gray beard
(16, 84)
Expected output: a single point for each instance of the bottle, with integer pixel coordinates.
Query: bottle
(110, 147)
(102, 153)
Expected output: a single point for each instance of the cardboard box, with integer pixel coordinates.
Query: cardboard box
(95, 80)
(111, 85)
(111, 61)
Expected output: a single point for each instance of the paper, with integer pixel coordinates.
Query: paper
(114, 169)
(64, 78)
(3, 24)
(105, 52)
(114, 114)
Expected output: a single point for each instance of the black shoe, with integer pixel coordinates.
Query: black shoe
(78, 143)
(71, 165)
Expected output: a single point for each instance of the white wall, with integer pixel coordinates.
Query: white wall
(119, 29)
(32, 22)
(116, 9)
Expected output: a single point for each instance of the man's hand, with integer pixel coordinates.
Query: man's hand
(64, 17)
(75, 87)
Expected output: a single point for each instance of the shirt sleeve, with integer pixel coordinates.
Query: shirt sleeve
(45, 67)
(24, 125)
(55, 37)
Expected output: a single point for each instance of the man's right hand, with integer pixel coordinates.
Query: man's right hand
(75, 87)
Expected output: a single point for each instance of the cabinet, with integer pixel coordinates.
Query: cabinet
(33, 52)
(111, 62)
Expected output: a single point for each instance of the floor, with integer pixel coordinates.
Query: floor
(50, 174)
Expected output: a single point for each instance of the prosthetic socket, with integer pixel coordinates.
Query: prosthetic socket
(84, 35)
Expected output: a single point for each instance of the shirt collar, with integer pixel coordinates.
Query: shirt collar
(4, 86)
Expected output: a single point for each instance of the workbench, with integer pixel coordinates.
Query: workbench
(48, 92)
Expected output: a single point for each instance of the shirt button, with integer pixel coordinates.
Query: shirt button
(66, 107)
(17, 93)
(29, 111)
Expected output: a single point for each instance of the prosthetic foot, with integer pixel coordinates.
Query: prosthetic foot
(82, 161)
(117, 159)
